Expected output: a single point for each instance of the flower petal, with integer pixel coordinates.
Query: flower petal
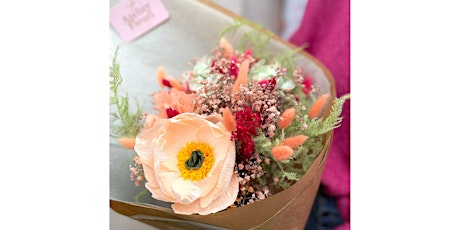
(225, 199)
(165, 179)
(225, 174)
(177, 136)
(145, 143)
(214, 118)
(207, 184)
(157, 193)
(216, 138)
(184, 191)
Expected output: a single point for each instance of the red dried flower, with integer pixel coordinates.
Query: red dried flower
(171, 112)
(166, 83)
(215, 67)
(269, 84)
(234, 67)
(248, 53)
(307, 85)
(247, 123)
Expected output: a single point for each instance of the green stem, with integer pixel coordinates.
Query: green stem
(278, 163)
(139, 195)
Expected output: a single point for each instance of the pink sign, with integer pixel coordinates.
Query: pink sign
(133, 18)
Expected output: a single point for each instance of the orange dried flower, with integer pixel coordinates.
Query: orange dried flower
(286, 118)
(242, 76)
(127, 142)
(228, 119)
(243, 72)
(176, 84)
(226, 47)
(318, 106)
(168, 81)
(282, 152)
(161, 75)
(294, 141)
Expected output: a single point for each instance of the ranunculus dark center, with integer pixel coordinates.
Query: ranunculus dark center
(195, 161)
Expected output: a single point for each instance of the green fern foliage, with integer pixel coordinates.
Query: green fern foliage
(123, 122)
(291, 170)
(318, 126)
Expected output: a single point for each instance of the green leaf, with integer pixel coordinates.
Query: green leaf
(291, 176)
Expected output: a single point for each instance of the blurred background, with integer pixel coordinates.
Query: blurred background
(282, 17)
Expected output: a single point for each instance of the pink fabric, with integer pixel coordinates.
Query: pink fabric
(325, 28)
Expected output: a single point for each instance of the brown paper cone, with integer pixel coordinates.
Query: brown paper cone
(288, 209)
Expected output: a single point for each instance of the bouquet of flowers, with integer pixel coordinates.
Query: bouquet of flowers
(234, 130)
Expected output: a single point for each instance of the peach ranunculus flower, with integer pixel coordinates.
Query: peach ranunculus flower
(175, 99)
(189, 160)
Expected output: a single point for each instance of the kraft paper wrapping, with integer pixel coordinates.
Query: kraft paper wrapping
(191, 32)
(288, 209)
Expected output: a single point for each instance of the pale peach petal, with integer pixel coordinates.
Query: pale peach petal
(151, 177)
(207, 184)
(219, 142)
(175, 99)
(184, 191)
(147, 137)
(165, 179)
(149, 174)
(149, 121)
(225, 174)
(192, 119)
(225, 199)
(178, 135)
(170, 164)
(183, 101)
(214, 118)
(157, 193)
(162, 101)
(144, 146)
